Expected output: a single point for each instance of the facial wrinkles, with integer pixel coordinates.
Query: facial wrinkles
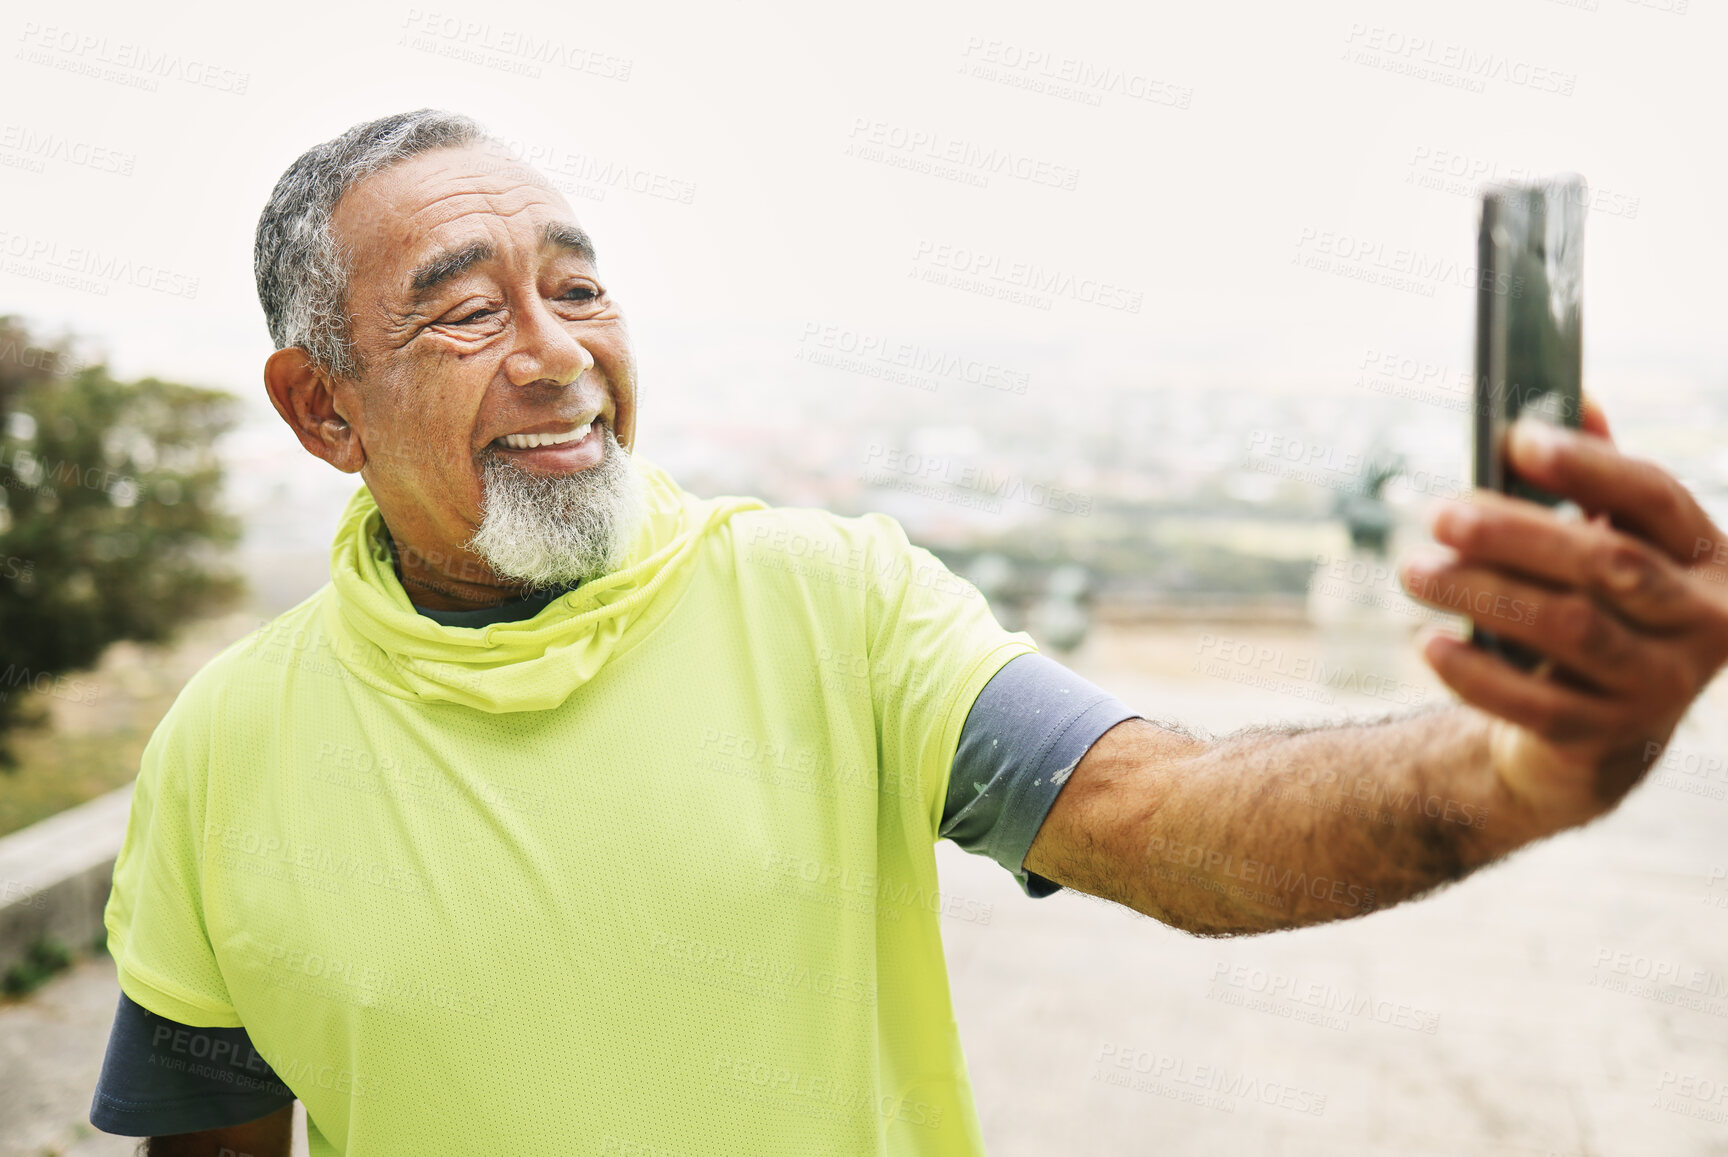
(402, 319)
(416, 354)
(436, 401)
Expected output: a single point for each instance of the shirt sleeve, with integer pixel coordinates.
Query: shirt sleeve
(162, 1077)
(1023, 738)
(155, 912)
(933, 645)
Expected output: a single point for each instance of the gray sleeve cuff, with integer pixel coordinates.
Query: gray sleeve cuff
(1027, 730)
(161, 1077)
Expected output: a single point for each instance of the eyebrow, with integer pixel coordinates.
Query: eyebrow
(564, 236)
(446, 265)
(441, 268)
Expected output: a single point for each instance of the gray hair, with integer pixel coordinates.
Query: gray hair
(302, 273)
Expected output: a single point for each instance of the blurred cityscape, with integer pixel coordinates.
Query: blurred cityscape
(1066, 496)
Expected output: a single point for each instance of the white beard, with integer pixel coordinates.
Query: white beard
(554, 530)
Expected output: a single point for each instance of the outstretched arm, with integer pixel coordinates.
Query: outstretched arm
(1270, 829)
(1273, 829)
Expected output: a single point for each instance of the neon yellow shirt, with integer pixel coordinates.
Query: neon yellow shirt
(650, 873)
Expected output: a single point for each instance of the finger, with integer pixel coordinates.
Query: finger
(1640, 496)
(1633, 578)
(1569, 627)
(1592, 419)
(1558, 714)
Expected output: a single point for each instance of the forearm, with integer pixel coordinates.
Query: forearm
(1272, 829)
(270, 1136)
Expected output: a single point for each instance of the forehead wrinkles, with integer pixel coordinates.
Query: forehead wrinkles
(511, 226)
(407, 224)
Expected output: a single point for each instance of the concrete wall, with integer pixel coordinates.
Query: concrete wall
(54, 876)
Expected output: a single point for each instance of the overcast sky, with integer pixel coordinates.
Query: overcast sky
(1187, 158)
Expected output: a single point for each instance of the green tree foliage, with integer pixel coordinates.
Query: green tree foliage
(110, 525)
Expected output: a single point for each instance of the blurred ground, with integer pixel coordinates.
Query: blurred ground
(1538, 1009)
(91, 740)
(51, 1049)
(1572, 1002)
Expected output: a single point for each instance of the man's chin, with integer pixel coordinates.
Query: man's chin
(549, 528)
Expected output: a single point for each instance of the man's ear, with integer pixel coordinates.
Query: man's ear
(305, 397)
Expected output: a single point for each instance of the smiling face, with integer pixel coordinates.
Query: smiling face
(486, 337)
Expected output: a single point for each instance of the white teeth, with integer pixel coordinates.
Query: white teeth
(529, 441)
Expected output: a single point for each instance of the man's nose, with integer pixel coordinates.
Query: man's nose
(546, 351)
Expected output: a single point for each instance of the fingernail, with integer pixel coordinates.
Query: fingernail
(1535, 441)
(1625, 572)
(1420, 567)
(1455, 522)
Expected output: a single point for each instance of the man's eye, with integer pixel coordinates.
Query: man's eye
(579, 293)
(475, 316)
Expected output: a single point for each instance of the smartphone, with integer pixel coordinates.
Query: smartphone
(1529, 349)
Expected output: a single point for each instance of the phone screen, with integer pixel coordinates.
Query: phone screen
(1529, 348)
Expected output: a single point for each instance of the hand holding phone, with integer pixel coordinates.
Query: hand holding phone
(1529, 348)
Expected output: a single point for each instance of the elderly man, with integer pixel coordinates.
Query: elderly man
(578, 814)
